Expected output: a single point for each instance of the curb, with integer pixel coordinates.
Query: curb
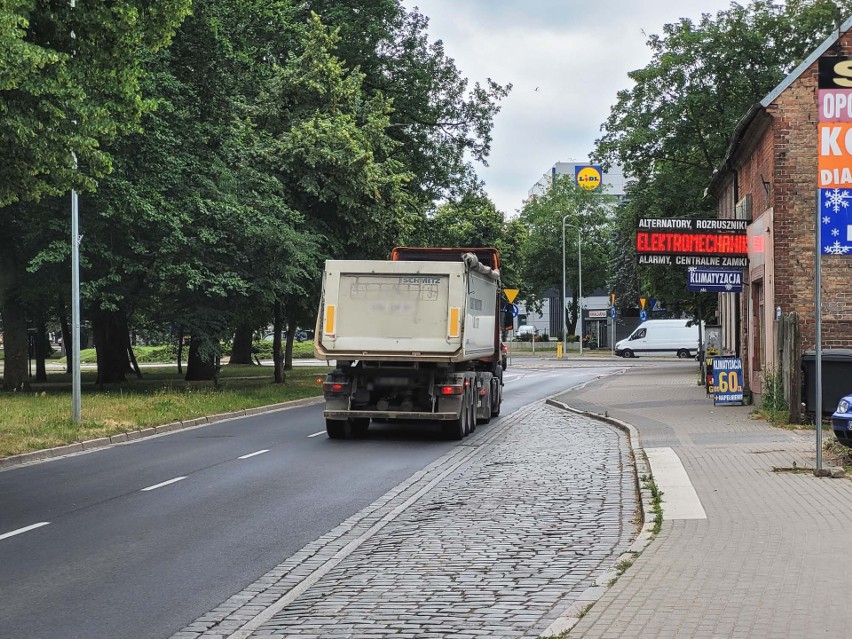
(571, 616)
(56, 452)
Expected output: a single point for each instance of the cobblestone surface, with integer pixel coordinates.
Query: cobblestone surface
(767, 562)
(495, 539)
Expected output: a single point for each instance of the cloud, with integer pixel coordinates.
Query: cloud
(577, 54)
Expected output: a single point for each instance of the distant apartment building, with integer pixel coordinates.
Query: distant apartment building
(594, 304)
(613, 181)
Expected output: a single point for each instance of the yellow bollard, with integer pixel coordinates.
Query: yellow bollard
(559, 350)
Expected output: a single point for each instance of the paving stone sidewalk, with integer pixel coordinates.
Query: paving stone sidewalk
(495, 539)
(770, 560)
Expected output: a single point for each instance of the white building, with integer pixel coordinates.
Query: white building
(594, 304)
(614, 182)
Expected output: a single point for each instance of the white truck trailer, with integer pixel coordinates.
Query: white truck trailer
(416, 337)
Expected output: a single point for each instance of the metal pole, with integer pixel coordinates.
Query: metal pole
(818, 336)
(580, 286)
(562, 297)
(75, 293)
(75, 307)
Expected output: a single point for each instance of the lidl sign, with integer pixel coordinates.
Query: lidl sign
(589, 177)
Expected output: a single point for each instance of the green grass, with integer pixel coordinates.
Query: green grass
(42, 419)
(168, 354)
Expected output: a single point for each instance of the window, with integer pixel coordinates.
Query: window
(639, 334)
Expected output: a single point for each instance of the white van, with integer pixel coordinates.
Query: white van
(661, 337)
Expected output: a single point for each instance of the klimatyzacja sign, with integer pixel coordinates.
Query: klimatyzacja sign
(714, 280)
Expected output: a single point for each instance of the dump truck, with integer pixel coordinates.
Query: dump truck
(413, 338)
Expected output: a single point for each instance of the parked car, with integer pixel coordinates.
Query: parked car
(841, 421)
(525, 333)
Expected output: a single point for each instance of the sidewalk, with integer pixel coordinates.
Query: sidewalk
(770, 558)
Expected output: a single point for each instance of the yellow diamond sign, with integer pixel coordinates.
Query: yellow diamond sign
(511, 294)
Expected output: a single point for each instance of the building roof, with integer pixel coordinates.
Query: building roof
(759, 108)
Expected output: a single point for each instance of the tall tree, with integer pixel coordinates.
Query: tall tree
(670, 131)
(588, 218)
(70, 84)
(441, 121)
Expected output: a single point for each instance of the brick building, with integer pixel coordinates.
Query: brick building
(770, 177)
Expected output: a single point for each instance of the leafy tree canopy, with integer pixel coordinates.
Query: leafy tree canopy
(670, 131)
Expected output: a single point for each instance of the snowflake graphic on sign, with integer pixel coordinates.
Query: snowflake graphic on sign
(836, 199)
(836, 221)
(836, 249)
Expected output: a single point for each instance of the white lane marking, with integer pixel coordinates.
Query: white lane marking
(258, 452)
(23, 530)
(508, 379)
(165, 483)
(322, 432)
(680, 501)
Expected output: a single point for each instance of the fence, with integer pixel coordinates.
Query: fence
(788, 361)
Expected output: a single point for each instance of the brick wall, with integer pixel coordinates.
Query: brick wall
(786, 157)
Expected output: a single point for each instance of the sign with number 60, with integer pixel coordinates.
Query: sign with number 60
(727, 380)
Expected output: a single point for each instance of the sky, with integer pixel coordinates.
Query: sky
(566, 60)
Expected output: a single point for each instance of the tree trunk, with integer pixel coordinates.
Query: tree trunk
(241, 351)
(15, 344)
(41, 346)
(134, 365)
(277, 324)
(199, 368)
(67, 344)
(180, 350)
(111, 346)
(288, 351)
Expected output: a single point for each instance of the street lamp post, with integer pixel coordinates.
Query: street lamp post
(76, 382)
(579, 287)
(564, 323)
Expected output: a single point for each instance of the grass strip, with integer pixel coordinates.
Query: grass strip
(42, 419)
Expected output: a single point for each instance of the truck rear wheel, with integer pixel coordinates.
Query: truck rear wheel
(457, 428)
(336, 428)
(497, 395)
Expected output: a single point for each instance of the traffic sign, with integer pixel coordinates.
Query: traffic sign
(511, 309)
(643, 315)
(511, 293)
(612, 312)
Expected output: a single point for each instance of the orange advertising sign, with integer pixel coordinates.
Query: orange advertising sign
(835, 155)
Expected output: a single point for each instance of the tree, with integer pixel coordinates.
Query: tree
(589, 215)
(440, 121)
(671, 130)
(62, 98)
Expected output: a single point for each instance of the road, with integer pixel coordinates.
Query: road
(139, 540)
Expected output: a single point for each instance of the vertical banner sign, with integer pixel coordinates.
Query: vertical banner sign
(727, 380)
(835, 155)
(834, 189)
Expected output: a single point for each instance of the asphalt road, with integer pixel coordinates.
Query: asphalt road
(138, 540)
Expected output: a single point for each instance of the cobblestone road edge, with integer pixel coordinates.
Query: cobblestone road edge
(572, 615)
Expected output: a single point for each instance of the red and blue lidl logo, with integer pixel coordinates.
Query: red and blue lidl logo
(589, 177)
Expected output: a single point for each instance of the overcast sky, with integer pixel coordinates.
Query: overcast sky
(576, 54)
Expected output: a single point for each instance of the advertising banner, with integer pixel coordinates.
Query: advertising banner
(588, 177)
(834, 164)
(727, 380)
(714, 280)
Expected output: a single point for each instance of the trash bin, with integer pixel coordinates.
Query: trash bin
(836, 378)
